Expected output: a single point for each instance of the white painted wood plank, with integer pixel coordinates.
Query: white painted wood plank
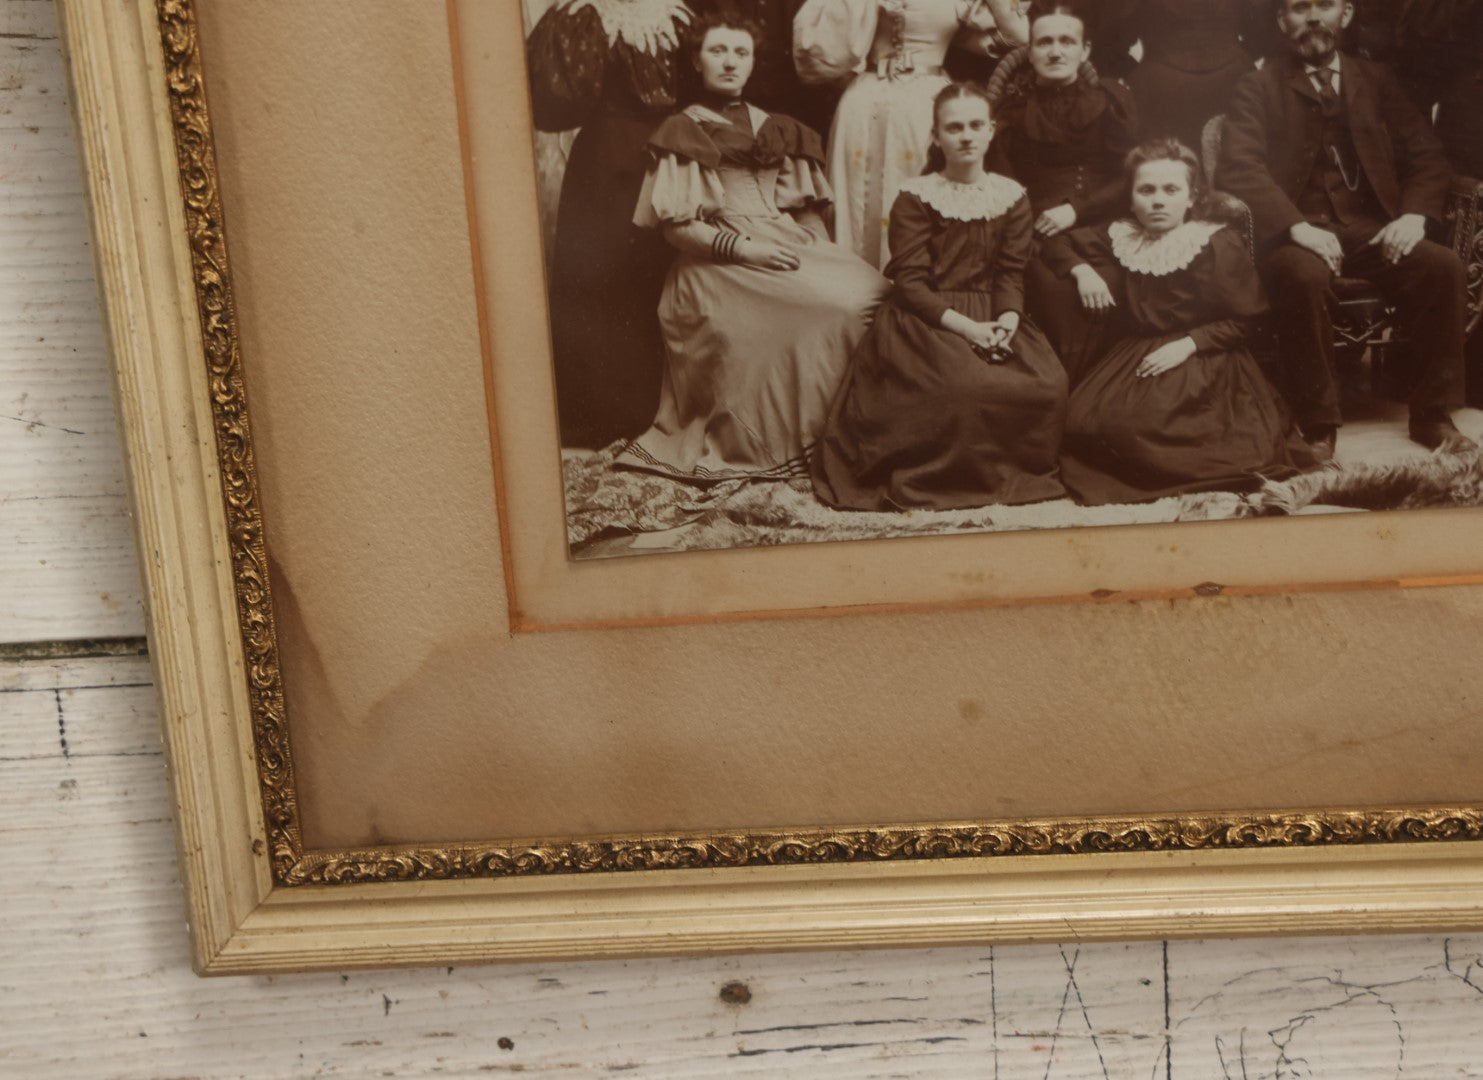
(28, 724)
(66, 557)
(94, 978)
(1371, 1007)
(126, 667)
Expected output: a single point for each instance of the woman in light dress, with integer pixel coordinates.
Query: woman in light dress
(892, 53)
(760, 312)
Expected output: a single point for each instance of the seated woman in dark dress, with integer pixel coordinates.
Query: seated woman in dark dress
(955, 398)
(1177, 404)
(1062, 133)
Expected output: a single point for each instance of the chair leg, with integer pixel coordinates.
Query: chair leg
(1389, 372)
(1354, 386)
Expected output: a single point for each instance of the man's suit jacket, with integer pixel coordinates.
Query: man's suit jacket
(1272, 141)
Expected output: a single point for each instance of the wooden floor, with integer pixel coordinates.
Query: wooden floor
(94, 980)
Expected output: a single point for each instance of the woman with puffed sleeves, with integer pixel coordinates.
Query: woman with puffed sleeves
(892, 54)
(760, 312)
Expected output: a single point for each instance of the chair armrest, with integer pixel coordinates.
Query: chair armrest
(1226, 208)
(1466, 187)
(1004, 72)
(1012, 71)
(1464, 211)
(1464, 225)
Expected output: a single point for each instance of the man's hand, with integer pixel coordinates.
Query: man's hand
(1321, 242)
(1055, 220)
(1400, 237)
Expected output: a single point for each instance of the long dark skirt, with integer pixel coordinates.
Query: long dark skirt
(1214, 423)
(923, 422)
(606, 278)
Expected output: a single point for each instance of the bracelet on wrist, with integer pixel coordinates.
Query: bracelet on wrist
(723, 246)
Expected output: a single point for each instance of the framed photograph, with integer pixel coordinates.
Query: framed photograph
(473, 645)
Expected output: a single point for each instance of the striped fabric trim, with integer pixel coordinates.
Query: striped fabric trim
(792, 469)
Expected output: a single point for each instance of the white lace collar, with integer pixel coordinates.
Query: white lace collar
(984, 200)
(1158, 254)
(650, 26)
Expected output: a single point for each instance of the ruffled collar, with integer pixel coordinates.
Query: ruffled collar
(1158, 254)
(710, 139)
(648, 26)
(989, 197)
(713, 140)
(709, 112)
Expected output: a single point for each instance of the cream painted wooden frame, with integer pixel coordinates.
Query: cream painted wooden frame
(241, 921)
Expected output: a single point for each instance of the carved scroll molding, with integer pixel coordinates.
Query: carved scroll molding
(957, 841)
(196, 153)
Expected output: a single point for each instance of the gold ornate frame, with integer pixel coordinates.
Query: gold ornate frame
(245, 860)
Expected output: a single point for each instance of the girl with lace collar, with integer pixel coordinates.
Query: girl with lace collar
(1172, 401)
(889, 56)
(954, 399)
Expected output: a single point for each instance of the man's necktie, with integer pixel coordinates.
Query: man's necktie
(1324, 78)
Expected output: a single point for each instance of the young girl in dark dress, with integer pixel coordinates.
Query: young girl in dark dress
(1177, 404)
(954, 399)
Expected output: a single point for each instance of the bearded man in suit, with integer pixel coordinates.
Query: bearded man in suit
(1343, 174)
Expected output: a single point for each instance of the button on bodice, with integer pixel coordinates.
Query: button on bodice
(915, 40)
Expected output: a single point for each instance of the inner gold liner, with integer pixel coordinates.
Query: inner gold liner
(416, 716)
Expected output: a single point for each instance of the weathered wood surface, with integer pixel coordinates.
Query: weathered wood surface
(95, 978)
(94, 973)
(66, 556)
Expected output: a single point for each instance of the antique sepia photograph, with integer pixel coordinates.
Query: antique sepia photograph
(857, 269)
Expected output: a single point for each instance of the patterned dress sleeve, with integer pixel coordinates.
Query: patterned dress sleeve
(1007, 282)
(832, 38)
(1229, 286)
(910, 269)
(567, 54)
(992, 27)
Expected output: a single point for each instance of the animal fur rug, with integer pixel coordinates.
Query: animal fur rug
(613, 511)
